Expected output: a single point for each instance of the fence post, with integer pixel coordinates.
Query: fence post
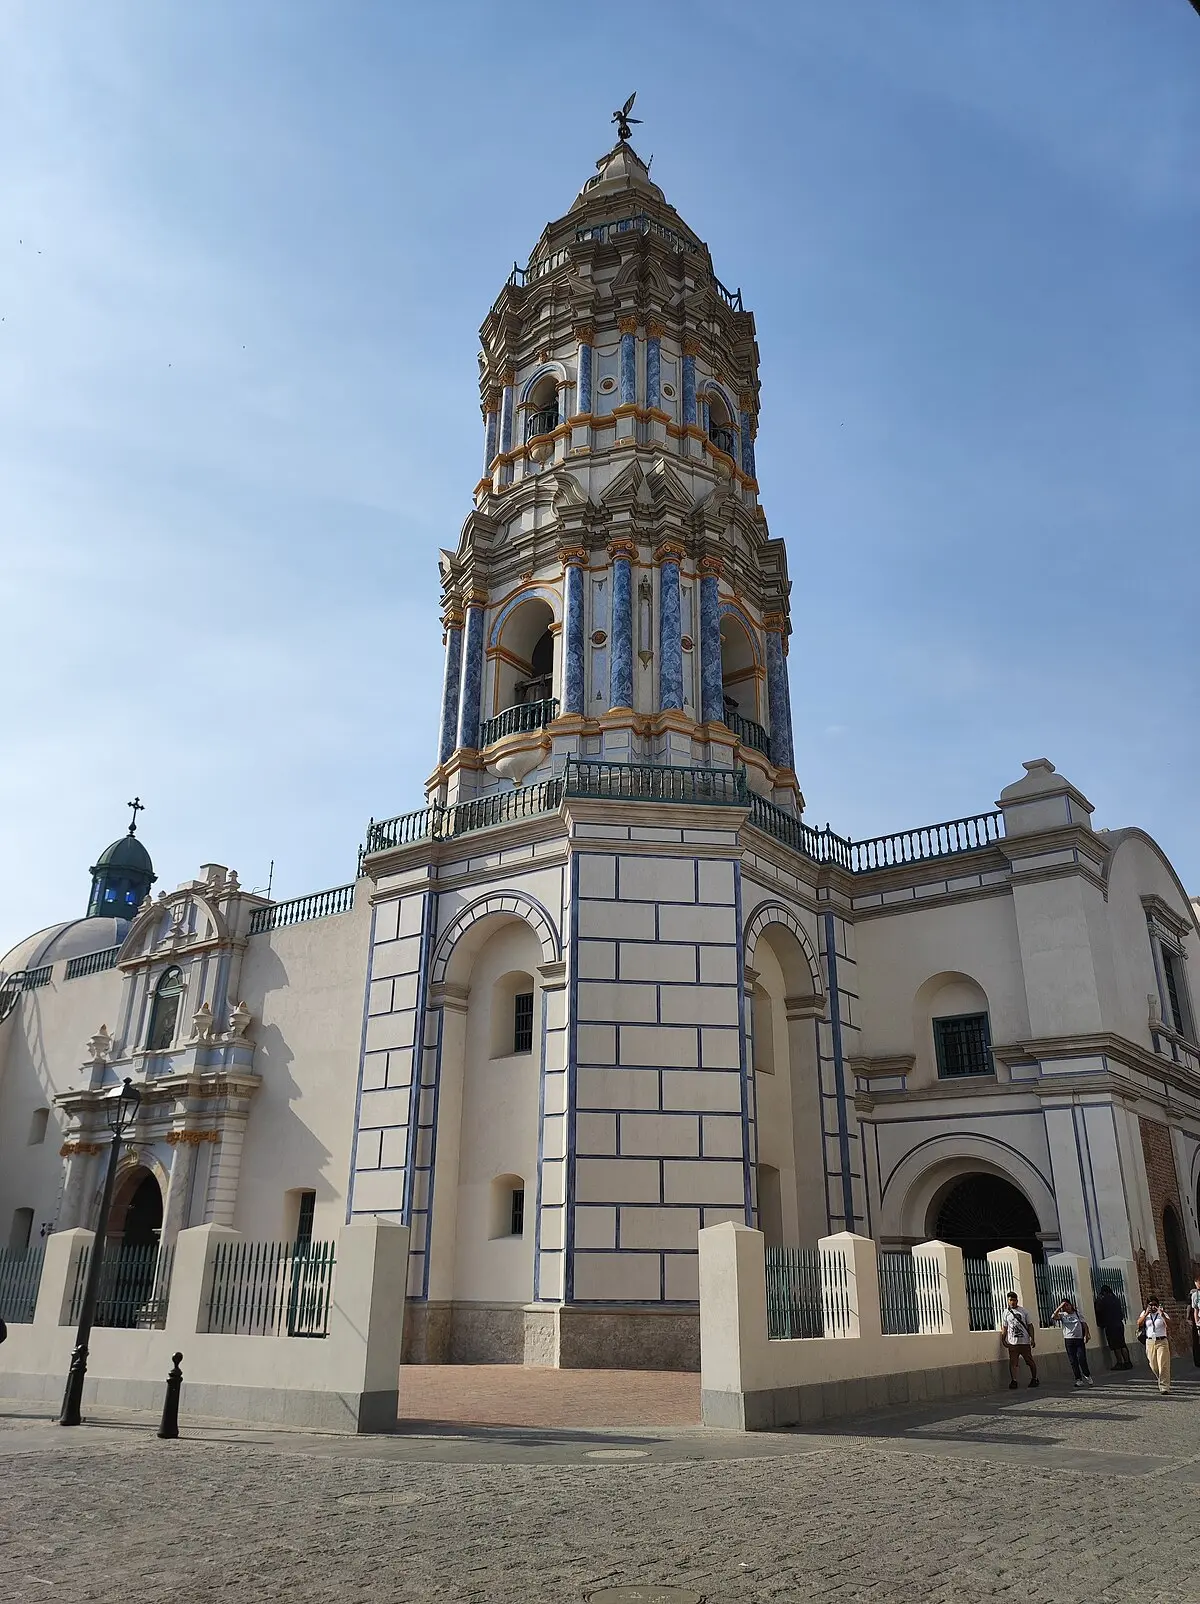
(852, 1309)
(64, 1249)
(1131, 1285)
(1012, 1271)
(947, 1273)
(366, 1316)
(733, 1303)
(191, 1278)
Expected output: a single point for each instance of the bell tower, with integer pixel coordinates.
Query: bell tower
(615, 594)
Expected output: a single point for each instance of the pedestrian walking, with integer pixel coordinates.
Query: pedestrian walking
(1018, 1337)
(1075, 1340)
(1154, 1329)
(1110, 1318)
(1194, 1312)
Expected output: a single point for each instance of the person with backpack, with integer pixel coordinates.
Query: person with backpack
(1075, 1340)
(1018, 1337)
(1154, 1329)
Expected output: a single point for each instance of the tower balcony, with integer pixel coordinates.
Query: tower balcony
(723, 439)
(748, 732)
(542, 422)
(519, 720)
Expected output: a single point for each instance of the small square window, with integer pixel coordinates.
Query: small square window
(517, 1211)
(523, 1023)
(963, 1046)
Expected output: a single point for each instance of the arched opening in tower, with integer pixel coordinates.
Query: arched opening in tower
(739, 677)
(525, 657)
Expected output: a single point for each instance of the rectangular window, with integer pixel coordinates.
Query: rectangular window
(304, 1218)
(964, 1046)
(1177, 997)
(523, 1023)
(517, 1212)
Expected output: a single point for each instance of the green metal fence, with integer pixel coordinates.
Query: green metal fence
(271, 1289)
(794, 1304)
(931, 1305)
(1052, 1283)
(981, 1302)
(20, 1277)
(1113, 1279)
(898, 1295)
(135, 1285)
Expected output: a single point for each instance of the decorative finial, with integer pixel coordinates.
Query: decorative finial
(138, 806)
(623, 119)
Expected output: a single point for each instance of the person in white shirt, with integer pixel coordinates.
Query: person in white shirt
(1017, 1336)
(1155, 1322)
(1075, 1339)
(1194, 1315)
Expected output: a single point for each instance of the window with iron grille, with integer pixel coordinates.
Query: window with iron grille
(517, 1211)
(1176, 984)
(304, 1218)
(523, 1022)
(963, 1045)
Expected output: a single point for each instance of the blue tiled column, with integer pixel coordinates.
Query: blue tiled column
(670, 630)
(747, 422)
(470, 690)
(573, 651)
(654, 365)
(628, 328)
(778, 696)
(689, 381)
(620, 685)
(585, 334)
(506, 415)
(491, 430)
(451, 681)
(712, 686)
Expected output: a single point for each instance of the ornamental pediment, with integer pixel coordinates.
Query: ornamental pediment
(179, 921)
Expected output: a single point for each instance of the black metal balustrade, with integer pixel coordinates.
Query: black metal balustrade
(748, 731)
(656, 782)
(544, 421)
(318, 905)
(601, 232)
(722, 438)
(732, 298)
(929, 841)
(519, 720)
(92, 963)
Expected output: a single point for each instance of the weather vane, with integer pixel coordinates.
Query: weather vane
(138, 806)
(623, 119)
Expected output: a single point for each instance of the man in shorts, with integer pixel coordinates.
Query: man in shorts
(1018, 1337)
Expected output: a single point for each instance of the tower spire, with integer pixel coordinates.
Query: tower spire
(138, 806)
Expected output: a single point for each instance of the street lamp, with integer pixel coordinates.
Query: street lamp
(120, 1114)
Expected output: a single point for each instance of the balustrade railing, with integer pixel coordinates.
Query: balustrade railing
(20, 1277)
(441, 824)
(655, 782)
(318, 905)
(732, 298)
(794, 1302)
(519, 720)
(748, 731)
(92, 963)
(929, 841)
(539, 269)
(638, 225)
(544, 421)
(722, 439)
(271, 1289)
(37, 977)
(134, 1288)
(823, 846)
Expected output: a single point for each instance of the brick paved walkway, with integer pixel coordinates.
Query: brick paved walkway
(1030, 1497)
(509, 1395)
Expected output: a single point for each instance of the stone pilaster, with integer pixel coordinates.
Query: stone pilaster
(586, 336)
(621, 661)
(573, 649)
(451, 682)
(628, 360)
(712, 687)
(778, 694)
(471, 684)
(670, 629)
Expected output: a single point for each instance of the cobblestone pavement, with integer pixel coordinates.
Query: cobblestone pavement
(1037, 1496)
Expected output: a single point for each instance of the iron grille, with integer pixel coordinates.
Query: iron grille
(963, 1046)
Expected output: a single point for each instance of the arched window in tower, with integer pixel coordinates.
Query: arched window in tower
(541, 416)
(721, 429)
(739, 683)
(524, 665)
(164, 1015)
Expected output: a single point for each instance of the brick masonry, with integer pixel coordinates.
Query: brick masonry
(1163, 1182)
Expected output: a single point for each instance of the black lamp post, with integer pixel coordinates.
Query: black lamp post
(120, 1114)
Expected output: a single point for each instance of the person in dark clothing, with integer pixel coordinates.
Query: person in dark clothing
(1111, 1321)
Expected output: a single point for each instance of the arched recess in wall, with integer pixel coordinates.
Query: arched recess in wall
(785, 1001)
(740, 664)
(467, 931)
(981, 1212)
(1176, 1254)
(925, 1175)
(951, 1028)
(523, 653)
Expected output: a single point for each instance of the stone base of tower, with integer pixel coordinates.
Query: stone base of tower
(555, 1336)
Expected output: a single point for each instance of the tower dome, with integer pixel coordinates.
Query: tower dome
(122, 875)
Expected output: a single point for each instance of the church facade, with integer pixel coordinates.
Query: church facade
(607, 987)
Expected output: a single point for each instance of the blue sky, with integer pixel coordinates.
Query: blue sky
(245, 250)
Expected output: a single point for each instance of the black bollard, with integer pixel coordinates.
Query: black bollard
(170, 1415)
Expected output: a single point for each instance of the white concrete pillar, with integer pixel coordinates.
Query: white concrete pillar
(849, 1286)
(366, 1316)
(60, 1267)
(443, 1221)
(945, 1272)
(733, 1304)
(191, 1279)
(1012, 1271)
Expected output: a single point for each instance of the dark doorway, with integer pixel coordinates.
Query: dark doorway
(980, 1213)
(1176, 1257)
(143, 1217)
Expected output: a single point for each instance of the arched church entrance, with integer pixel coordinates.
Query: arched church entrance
(137, 1211)
(979, 1213)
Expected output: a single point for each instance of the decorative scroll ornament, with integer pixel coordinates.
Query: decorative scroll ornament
(84, 1149)
(191, 1138)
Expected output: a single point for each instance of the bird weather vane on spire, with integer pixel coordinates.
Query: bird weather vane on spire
(138, 806)
(623, 119)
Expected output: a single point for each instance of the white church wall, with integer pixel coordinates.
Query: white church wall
(46, 1037)
(304, 987)
(1137, 869)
